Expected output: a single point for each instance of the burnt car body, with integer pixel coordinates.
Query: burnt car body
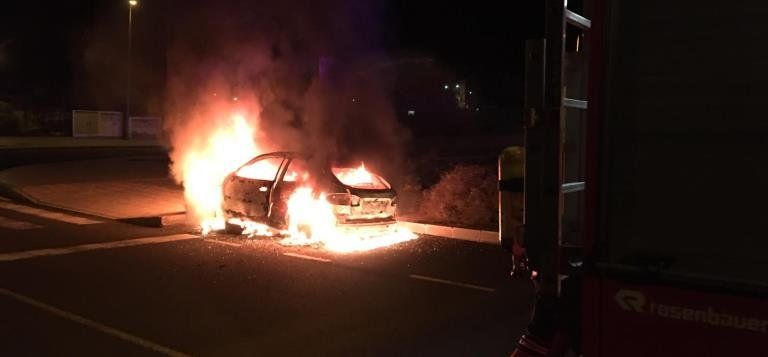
(259, 191)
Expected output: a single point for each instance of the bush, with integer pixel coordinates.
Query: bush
(466, 195)
(9, 121)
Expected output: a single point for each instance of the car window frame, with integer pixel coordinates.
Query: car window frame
(282, 158)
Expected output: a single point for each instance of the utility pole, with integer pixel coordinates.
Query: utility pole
(126, 118)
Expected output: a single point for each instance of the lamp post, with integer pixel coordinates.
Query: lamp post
(126, 119)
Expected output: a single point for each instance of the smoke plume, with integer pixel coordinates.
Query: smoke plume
(303, 74)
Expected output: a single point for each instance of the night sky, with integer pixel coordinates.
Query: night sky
(48, 61)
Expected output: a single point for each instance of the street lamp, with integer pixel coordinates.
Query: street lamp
(126, 120)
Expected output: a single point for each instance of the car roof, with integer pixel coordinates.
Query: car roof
(285, 154)
(297, 155)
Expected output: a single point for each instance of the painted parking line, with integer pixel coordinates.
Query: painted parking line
(7, 257)
(16, 225)
(125, 336)
(56, 216)
(307, 257)
(454, 283)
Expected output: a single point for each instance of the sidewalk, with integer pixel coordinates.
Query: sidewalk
(125, 188)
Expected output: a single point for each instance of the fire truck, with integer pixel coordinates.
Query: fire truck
(644, 171)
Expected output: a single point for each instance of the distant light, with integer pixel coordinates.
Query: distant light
(477, 109)
(354, 100)
(470, 92)
(411, 112)
(445, 87)
(133, 2)
(235, 99)
(457, 86)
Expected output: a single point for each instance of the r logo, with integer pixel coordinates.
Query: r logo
(631, 300)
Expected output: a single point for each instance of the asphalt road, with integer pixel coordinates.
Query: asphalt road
(74, 285)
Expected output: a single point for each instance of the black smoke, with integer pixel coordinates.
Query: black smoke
(311, 68)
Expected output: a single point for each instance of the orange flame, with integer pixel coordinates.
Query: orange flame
(251, 228)
(205, 165)
(260, 170)
(355, 177)
(359, 177)
(311, 220)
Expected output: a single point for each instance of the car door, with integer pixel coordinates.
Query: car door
(247, 190)
(295, 174)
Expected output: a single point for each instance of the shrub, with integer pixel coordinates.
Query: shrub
(9, 121)
(466, 195)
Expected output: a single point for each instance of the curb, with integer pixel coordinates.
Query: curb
(157, 221)
(472, 235)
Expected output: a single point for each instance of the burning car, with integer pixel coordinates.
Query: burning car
(265, 189)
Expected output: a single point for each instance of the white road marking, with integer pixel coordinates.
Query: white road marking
(93, 324)
(57, 216)
(223, 242)
(454, 283)
(308, 257)
(16, 225)
(7, 257)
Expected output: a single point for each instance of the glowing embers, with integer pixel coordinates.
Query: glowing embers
(251, 228)
(359, 177)
(210, 224)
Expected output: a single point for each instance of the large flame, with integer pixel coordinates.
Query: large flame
(204, 167)
(359, 177)
(355, 177)
(311, 220)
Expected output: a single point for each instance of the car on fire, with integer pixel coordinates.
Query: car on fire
(259, 191)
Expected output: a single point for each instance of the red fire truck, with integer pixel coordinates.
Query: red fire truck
(645, 165)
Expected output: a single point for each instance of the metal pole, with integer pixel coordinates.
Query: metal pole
(126, 119)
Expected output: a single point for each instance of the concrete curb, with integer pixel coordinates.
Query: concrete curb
(472, 235)
(157, 221)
